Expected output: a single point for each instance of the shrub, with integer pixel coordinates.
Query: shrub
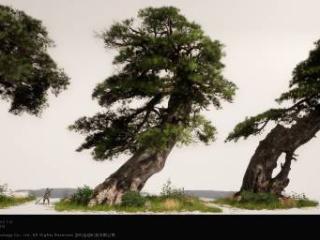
(133, 199)
(82, 195)
(258, 197)
(297, 196)
(168, 191)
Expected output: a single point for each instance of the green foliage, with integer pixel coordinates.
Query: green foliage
(133, 199)
(157, 138)
(199, 128)
(168, 67)
(258, 201)
(304, 93)
(82, 195)
(302, 200)
(257, 198)
(27, 72)
(305, 84)
(254, 125)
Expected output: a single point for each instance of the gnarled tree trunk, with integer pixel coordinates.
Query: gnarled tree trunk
(133, 174)
(258, 176)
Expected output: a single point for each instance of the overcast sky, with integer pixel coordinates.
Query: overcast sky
(264, 40)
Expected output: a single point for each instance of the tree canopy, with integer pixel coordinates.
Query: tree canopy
(26, 69)
(164, 61)
(303, 93)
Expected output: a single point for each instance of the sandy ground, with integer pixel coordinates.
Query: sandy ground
(31, 208)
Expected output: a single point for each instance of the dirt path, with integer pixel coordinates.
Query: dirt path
(30, 208)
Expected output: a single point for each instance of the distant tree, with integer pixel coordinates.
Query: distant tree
(27, 72)
(295, 126)
(168, 71)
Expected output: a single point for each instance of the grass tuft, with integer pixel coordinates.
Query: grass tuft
(259, 201)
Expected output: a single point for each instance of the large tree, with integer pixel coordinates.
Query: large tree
(295, 126)
(168, 72)
(27, 71)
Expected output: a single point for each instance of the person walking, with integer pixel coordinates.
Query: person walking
(46, 196)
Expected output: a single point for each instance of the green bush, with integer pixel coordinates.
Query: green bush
(133, 199)
(258, 197)
(82, 195)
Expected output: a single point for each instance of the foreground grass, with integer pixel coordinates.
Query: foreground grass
(6, 201)
(153, 204)
(259, 201)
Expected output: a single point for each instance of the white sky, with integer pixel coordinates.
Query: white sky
(264, 41)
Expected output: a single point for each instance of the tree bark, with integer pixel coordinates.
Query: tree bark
(258, 176)
(131, 176)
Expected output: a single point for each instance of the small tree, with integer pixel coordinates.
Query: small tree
(27, 72)
(168, 72)
(295, 126)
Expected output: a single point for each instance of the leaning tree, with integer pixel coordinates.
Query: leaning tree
(168, 71)
(27, 72)
(295, 126)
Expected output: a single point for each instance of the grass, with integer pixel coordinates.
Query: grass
(156, 204)
(259, 201)
(170, 200)
(6, 201)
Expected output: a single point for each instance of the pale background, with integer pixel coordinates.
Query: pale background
(264, 41)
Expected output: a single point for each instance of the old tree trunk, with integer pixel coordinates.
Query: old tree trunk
(134, 173)
(131, 176)
(281, 140)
